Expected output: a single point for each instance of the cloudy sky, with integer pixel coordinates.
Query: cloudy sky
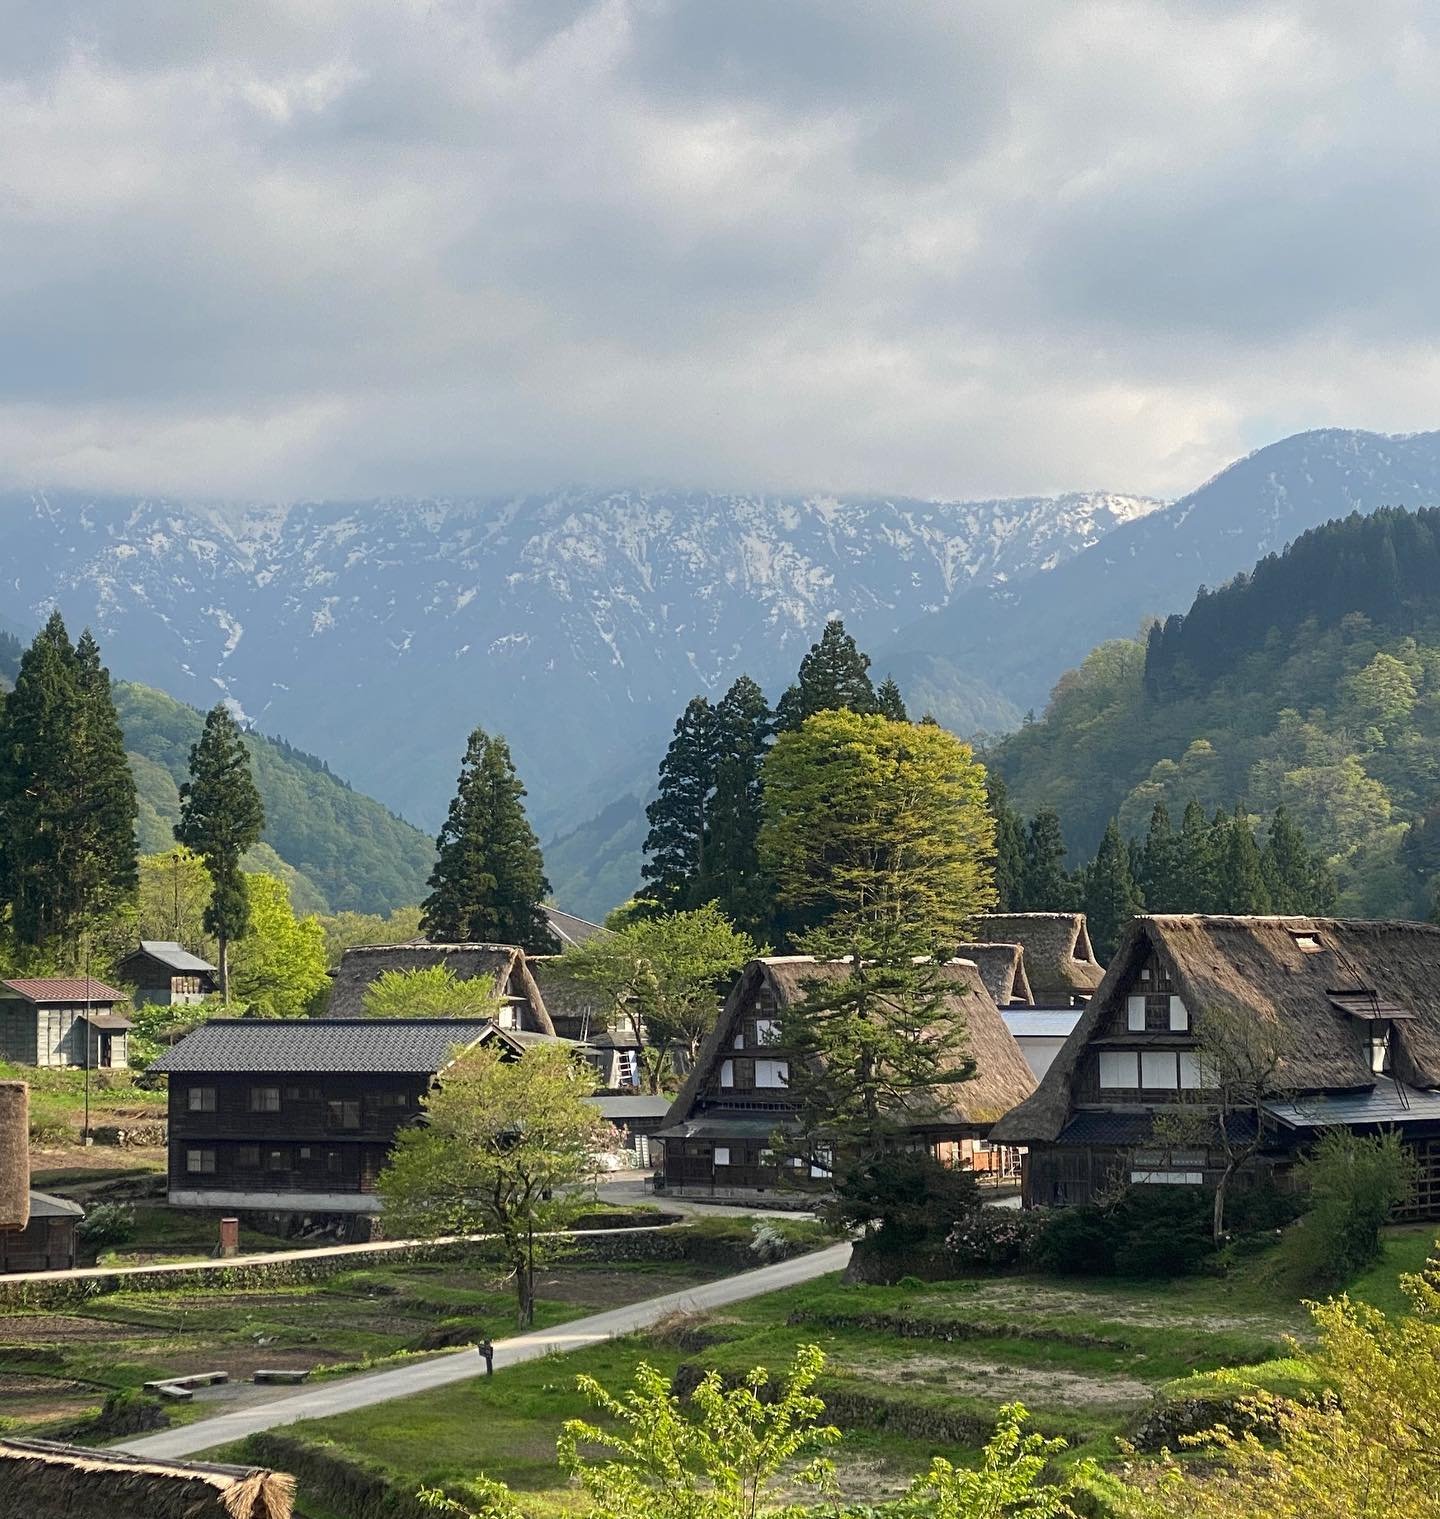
(950, 247)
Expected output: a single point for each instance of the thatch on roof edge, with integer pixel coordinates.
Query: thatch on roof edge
(1002, 969)
(14, 1155)
(1002, 1075)
(1058, 958)
(44, 1480)
(1252, 966)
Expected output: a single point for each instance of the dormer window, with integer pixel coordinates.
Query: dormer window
(1308, 943)
(1380, 1046)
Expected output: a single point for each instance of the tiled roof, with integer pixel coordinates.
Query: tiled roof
(44, 1205)
(1387, 1102)
(358, 1046)
(176, 956)
(63, 989)
(572, 930)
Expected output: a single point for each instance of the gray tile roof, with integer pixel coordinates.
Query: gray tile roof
(1385, 1103)
(572, 930)
(639, 1106)
(358, 1046)
(175, 955)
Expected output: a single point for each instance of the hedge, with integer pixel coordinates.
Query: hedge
(339, 1479)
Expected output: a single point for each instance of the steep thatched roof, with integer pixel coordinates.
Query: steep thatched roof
(43, 1480)
(503, 964)
(1058, 958)
(1002, 969)
(1286, 972)
(14, 1155)
(1002, 1077)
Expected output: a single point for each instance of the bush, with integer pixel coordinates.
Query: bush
(1078, 1241)
(105, 1225)
(1163, 1232)
(995, 1239)
(767, 1244)
(908, 1194)
(1354, 1185)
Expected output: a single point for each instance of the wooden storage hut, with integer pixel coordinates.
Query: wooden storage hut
(40, 1479)
(63, 1020)
(165, 972)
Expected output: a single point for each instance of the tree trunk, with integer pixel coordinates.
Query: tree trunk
(1222, 1189)
(224, 967)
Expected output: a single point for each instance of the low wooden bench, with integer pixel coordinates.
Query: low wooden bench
(284, 1374)
(182, 1389)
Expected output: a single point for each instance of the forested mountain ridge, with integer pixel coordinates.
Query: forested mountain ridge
(1022, 638)
(1313, 681)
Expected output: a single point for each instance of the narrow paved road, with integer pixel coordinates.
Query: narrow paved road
(327, 1398)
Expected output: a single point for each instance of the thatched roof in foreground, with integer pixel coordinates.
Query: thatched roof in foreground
(504, 965)
(1283, 971)
(1002, 1077)
(1058, 958)
(1002, 969)
(14, 1155)
(42, 1480)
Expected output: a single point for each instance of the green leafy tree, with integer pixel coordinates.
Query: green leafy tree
(279, 966)
(1045, 885)
(221, 816)
(679, 817)
(664, 976)
(736, 1457)
(732, 875)
(432, 991)
(347, 930)
(889, 702)
(1297, 880)
(502, 1148)
(1009, 847)
(489, 878)
(174, 894)
(873, 822)
(1111, 896)
(1240, 877)
(833, 676)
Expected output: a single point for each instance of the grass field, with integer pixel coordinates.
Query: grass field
(57, 1100)
(906, 1368)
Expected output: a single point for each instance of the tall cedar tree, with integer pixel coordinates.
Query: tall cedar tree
(67, 798)
(1199, 868)
(733, 878)
(1298, 880)
(1240, 880)
(870, 1051)
(870, 823)
(833, 675)
(1045, 885)
(889, 702)
(1009, 847)
(489, 878)
(1160, 879)
(221, 816)
(1111, 897)
(679, 816)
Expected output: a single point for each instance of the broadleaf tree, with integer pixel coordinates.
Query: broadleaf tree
(430, 991)
(279, 967)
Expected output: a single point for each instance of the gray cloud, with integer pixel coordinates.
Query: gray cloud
(416, 245)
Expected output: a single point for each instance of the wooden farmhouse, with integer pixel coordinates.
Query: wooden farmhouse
(63, 1020)
(1060, 965)
(298, 1115)
(37, 1231)
(1346, 1013)
(166, 973)
(503, 966)
(718, 1133)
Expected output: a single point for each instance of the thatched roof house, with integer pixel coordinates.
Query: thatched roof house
(504, 965)
(43, 1480)
(1059, 962)
(14, 1155)
(1002, 969)
(1350, 1009)
(734, 1098)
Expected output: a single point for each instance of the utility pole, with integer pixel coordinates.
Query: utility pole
(88, 1032)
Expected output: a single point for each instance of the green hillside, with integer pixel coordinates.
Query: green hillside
(340, 851)
(1314, 682)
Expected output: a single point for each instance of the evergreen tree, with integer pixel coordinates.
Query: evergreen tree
(833, 675)
(1045, 887)
(221, 816)
(1162, 865)
(1111, 897)
(1197, 884)
(1009, 846)
(1240, 880)
(107, 865)
(889, 702)
(1297, 880)
(679, 816)
(489, 878)
(733, 877)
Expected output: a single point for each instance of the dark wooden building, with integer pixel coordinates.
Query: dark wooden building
(63, 1020)
(503, 967)
(1350, 1012)
(164, 972)
(37, 1231)
(719, 1132)
(298, 1115)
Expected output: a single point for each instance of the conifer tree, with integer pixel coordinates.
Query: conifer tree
(1197, 884)
(1045, 887)
(1161, 865)
(1009, 847)
(889, 702)
(1111, 898)
(489, 878)
(108, 865)
(1298, 880)
(733, 877)
(833, 675)
(221, 816)
(1240, 881)
(679, 816)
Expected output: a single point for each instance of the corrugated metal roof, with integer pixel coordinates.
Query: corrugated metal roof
(1387, 1102)
(355, 1046)
(1041, 1022)
(175, 955)
(639, 1106)
(44, 1205)
(63, 989)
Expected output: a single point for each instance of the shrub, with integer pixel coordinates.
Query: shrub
(767, 1244)
(912, 1198)
(995, 1239)
(1163, 1231)
(1078, 1241)
(105, 1225)
(1354, 1185)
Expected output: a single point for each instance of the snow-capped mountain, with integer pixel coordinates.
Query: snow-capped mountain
(378, 633)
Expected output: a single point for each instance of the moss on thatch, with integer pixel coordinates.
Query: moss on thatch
(1058, 958)
(43, 1480)
(14, 1155)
